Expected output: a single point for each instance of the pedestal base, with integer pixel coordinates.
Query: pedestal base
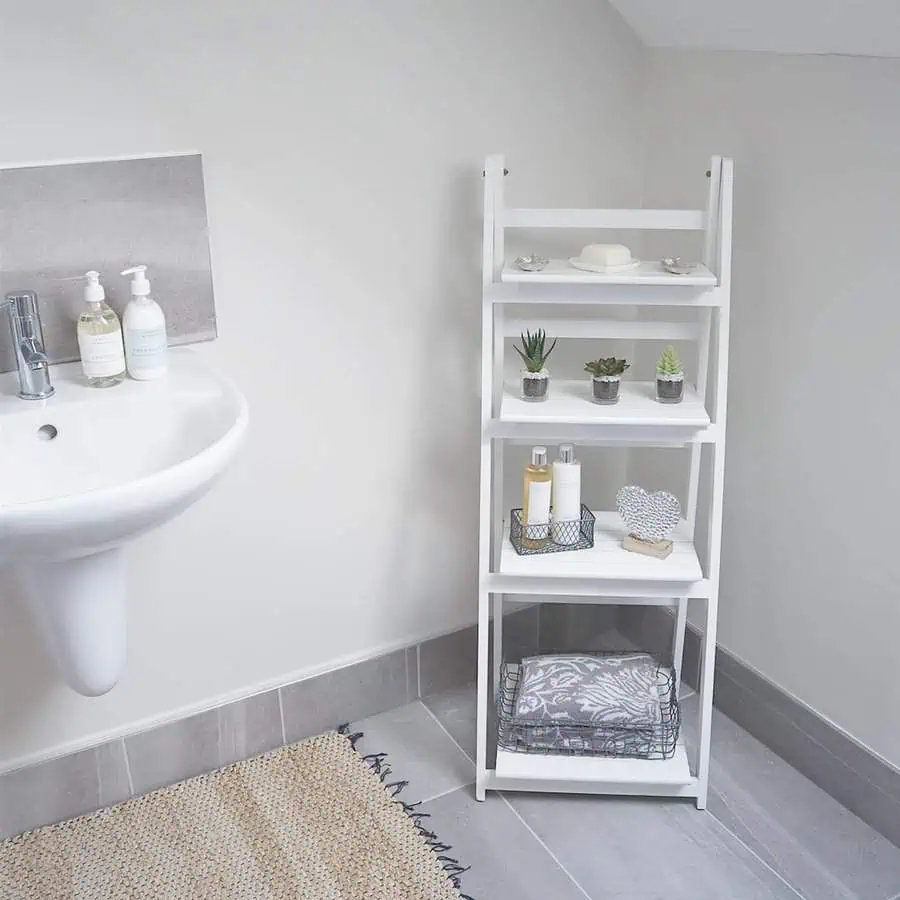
(78, 606)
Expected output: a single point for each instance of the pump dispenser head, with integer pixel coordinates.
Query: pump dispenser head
(140, 286)
(539, 456)
(93, 290)
(567, 453)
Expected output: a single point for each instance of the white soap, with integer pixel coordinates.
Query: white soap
(606, 255)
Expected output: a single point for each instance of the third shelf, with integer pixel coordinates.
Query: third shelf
(607, 560)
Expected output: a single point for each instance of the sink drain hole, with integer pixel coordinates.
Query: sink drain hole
(47, 432)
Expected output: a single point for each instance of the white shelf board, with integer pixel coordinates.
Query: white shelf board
(570, 403)
(607, 559)
(547, 769)
(559, 271)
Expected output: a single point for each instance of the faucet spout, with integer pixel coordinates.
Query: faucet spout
(28, 342)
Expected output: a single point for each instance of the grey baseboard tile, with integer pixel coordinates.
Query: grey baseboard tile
(450, 660)
(652, 628)
(345, 695)
(861, 781)
(63, 788)
(204, 742)
(574, 626)
(111, 773)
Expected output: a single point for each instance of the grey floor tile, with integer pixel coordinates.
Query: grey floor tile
(806, 755)
(62, 788)
(809, 838)
(455, 710)
(447, 661)
(204, 742)
(344, 695)
(418, 751)
(507, 862)
(635, 849)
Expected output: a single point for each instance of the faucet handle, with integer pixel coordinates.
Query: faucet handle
(23, 304)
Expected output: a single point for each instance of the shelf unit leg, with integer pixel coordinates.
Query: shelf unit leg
(707, 671)
(484, 600)
(498, 641)
(678, 642)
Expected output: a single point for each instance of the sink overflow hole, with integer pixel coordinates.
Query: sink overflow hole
(47, 432)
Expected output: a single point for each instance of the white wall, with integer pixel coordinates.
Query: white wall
(810, 571)
(343, 145)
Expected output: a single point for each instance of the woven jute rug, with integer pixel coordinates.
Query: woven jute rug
(312, 821)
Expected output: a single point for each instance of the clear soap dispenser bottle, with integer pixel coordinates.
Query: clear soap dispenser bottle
(100, 337)
(536, 500)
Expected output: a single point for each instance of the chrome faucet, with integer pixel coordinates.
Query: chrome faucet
(28, 343)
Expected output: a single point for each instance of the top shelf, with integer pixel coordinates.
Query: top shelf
(558, 271)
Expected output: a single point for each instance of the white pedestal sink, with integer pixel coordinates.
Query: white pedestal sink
(87, 471)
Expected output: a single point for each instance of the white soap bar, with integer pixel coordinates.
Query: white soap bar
(606, 255)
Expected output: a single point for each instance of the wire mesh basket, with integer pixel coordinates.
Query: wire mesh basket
(541, 713)
(553, 538)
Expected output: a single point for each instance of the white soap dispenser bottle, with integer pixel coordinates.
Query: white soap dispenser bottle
(144, 326)
(100, 337)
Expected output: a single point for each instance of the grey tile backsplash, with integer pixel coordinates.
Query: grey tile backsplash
(59, 221)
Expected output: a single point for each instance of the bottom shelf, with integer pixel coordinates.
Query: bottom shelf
(593, 774)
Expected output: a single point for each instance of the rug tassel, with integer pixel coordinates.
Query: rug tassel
(379, 766)
(396, 787)
(353, 738)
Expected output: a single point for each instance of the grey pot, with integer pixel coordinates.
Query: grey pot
(606, 390)
(535, 389)
(669, 391)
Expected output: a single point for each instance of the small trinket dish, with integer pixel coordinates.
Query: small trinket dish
(674, 266)
(532, 263)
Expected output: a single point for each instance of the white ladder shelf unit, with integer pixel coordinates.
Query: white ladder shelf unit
(607, 573)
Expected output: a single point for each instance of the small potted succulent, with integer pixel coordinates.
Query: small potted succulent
(669, 377)
(534, 353)
(607, 375)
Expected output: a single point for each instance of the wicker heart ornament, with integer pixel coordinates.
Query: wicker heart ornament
(651, 517)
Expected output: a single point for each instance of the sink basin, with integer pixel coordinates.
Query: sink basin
(88, 470)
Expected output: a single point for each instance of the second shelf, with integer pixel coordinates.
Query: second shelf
(570, 403)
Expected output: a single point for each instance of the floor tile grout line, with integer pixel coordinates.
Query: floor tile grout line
(754, 854)
(458, 787)
(127, 768)
(512, 809)
(548, 851)
(453, 740)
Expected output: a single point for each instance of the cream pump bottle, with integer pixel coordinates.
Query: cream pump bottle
(144, 327)
(536, 500)
(100, 337)
(566, 499)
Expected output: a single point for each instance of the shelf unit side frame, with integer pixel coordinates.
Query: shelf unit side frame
(714, 319)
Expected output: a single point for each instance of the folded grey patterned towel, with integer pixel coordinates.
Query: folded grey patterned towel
(576, 689)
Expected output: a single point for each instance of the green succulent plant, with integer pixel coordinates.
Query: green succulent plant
(609, 366)
(532, 350)
(668, 363)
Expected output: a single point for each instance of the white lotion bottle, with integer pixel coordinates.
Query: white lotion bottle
(100, 337)
(144, 327)
(565, 524)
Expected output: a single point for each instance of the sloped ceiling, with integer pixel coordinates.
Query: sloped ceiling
(850, 27)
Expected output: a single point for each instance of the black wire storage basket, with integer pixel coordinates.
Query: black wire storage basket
(553, 538)
(585, 735)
